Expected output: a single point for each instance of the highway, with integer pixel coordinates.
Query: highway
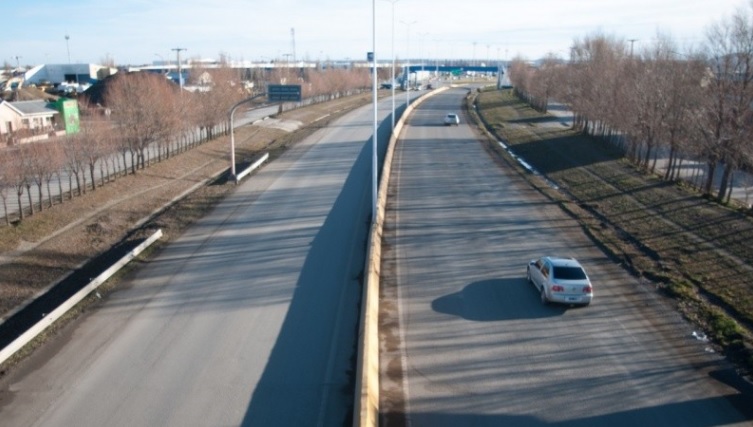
(250, 318)
(467, 341)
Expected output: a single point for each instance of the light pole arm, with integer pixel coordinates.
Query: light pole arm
(232, 130)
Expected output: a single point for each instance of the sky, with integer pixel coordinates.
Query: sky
(137, 32)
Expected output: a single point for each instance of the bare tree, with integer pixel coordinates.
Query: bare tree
(724, 118)
(94, 144)
(6, 181)
(40, 163)
(142, 107)
(27, 161)
(224, 90)
(76, 160)
(16, 177)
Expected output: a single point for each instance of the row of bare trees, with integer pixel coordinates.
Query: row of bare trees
(696, 104)
(140, 118)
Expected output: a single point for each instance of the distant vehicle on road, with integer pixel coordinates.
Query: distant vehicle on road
(561, 280)
(451, 119)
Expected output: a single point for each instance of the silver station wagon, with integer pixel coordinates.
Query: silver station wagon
(561, 280)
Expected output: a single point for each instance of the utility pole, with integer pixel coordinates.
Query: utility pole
(292, 38)
(631, 46)
(68, 48)
(180, 71)
(407, 66)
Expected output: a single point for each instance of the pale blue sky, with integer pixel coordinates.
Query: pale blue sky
(141, 31)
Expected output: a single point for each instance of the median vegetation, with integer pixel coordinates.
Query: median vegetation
(693, 249)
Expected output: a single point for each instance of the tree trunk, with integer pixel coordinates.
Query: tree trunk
(28, 196)
(709, 178)
(724, 184)
(133, 163)
(49, 194)
(670, 163)
(41, 196)
(5, 209)
(60, 188)
(78, 183)
(92, 175)
(19, 194)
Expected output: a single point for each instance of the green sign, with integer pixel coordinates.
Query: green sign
(284, 93)
(68, 109)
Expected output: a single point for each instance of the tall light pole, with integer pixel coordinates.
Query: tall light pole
(68, 48)
(392, 82)
(375, 136)
(407, 67)
(421, 46)
(632, 41)
(180, 72)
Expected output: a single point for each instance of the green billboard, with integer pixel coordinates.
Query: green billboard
(68, 109)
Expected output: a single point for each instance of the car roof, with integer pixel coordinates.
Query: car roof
(563, 262)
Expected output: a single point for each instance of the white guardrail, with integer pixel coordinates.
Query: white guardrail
(50, 318)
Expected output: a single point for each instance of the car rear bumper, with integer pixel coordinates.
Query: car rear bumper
(571, 298)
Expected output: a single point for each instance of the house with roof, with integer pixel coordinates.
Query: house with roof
(27, 121)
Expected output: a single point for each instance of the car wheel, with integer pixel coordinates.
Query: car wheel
(544, 299)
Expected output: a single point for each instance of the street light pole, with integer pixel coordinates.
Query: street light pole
(407, 67)
(422, 49)
(375, 136)
(392, 82)
(68, 48)
(231, 113)
(180, 72)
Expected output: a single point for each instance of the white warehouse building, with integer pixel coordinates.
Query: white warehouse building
(70, 73)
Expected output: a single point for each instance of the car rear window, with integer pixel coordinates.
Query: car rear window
(569, 273)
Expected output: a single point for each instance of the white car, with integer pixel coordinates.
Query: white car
(451, 119)
(561, 280)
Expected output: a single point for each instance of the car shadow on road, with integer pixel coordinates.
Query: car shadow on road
(496, 300)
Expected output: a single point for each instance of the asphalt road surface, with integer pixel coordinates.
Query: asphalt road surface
(470, 344)
(250, 318)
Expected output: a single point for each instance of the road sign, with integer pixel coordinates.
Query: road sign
(284, 93)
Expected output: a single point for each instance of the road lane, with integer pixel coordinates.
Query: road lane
(474, 345)
(249, 318)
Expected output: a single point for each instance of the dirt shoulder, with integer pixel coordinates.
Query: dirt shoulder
(172, 194)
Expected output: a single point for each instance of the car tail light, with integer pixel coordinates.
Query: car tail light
(557, 288)
(587, 289)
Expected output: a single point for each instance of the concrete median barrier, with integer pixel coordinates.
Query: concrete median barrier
(366, 411)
